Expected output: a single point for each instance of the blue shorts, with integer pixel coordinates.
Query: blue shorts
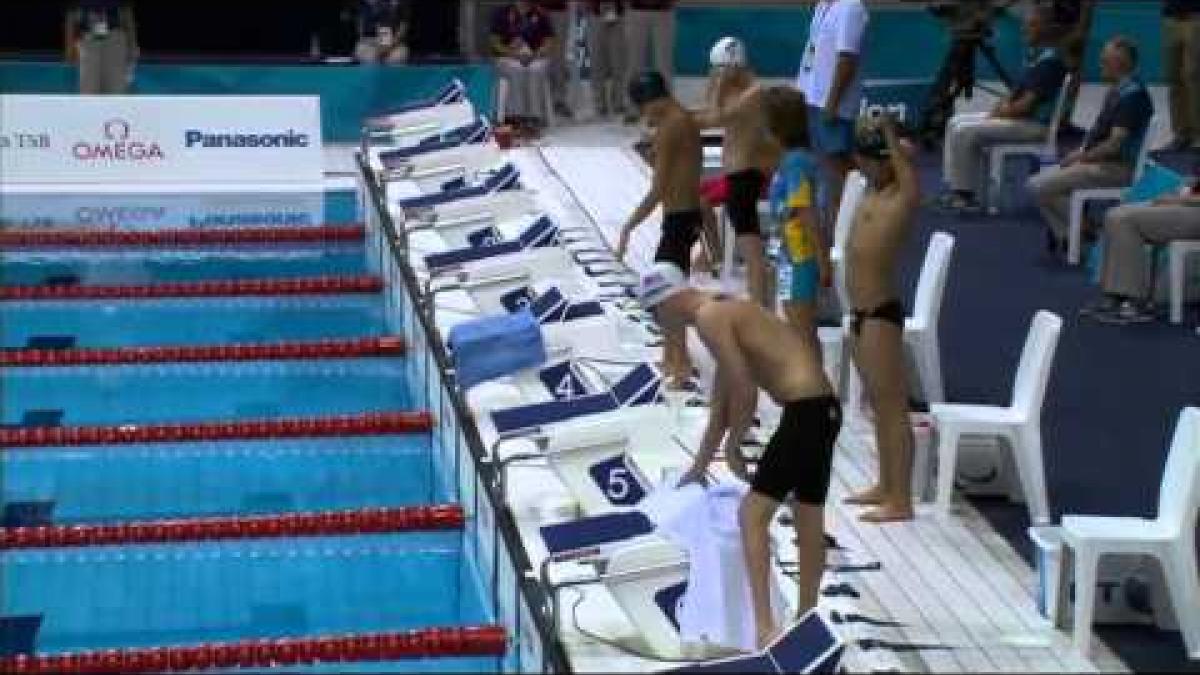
(806, 279)
(830, 138)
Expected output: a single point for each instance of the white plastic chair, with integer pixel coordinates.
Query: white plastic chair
(1080, 198)
(1170, 537)
(852, 196)
(921, 329)
(996, 156)
(1020, 422)
(1177, 255)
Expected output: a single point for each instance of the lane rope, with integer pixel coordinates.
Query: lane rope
(314, 349)
(194, 289)
(78, 238)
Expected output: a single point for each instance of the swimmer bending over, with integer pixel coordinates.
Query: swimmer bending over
(678, 161)
(753, 348)
(879, 232)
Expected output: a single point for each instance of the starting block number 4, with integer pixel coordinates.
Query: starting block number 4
(619, 482)
(562, 382)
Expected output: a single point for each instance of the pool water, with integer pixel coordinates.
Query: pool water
(212, 321)
(143, 482)
(124, 268)
(195, 392)
(129, 596)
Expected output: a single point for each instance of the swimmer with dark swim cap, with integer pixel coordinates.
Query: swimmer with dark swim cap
(648, 87)
(880, 232)
(677, 161)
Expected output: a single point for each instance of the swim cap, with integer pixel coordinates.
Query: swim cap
(728, 51)
(661, 282)
(869, 140)
(647, 88)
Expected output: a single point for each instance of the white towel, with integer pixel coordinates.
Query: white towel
(717, 608)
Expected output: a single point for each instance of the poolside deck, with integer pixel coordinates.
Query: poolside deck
(961, 598)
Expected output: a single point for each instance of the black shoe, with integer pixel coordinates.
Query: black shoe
(1104, 305)
(563, 110)
(1127, 312)
(630, 120)
(1054, 245)
(1177, 144)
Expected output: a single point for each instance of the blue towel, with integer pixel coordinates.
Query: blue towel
(494, 346)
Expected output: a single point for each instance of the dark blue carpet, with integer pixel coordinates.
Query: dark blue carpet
(1114, 394)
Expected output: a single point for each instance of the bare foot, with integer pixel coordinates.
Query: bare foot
(701, 262)
(869, 497)
(766, 637)
(887, 513)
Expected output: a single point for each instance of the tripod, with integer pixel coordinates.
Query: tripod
(956, 77)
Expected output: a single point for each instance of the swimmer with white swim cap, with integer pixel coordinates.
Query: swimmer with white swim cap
(750, 154)
(755, 349)
(676, 186)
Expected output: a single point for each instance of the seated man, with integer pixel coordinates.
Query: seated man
(1128, 230)
(382, 30)
(1021, 117)
(1110, 148)
(523, 42)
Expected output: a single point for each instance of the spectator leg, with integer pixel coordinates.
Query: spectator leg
(1128, 229)
(636, 33)
(664, 44)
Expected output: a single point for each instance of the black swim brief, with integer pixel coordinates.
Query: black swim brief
(891, 311)
(745, 190)
(799, 457)
(680, 231)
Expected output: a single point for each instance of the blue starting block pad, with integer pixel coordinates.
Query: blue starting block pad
(507, 178)
(541, 234)
(809, 646)
(471, 134)
(640, 386)
(455, 92)
(586, 534)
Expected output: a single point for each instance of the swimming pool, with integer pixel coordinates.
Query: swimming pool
(187, 592)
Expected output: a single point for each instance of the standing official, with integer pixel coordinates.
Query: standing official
(101, 37)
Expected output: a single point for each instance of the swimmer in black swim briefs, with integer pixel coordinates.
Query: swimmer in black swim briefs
(891, 311)
(680, 231)
(799, 457)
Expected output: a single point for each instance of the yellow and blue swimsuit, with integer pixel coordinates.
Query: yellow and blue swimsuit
(794, 187)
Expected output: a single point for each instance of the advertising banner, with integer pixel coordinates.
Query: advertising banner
(159, 139)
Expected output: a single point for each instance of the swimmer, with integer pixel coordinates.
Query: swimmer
(877, 328)
(677, 164)
(753, 348)
(793, 205)
(749, 155)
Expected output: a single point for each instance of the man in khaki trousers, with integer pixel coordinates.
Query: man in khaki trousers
(560, 74)
(101, 37)
(652, 20)
(1181, 60)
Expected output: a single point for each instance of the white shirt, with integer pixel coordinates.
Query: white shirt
(838, 27)
(717, 608)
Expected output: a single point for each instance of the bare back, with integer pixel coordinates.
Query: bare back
(678, 161)
(748, 142)
(879, 232)
(780, 360)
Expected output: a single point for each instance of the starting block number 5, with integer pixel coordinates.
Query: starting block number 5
(618, 481)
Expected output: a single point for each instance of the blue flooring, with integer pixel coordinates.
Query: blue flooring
(1114, 394)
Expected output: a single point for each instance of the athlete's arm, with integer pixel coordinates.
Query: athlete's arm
(741, 391)
(667, 142)
(906, 174)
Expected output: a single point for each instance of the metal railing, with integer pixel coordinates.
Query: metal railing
(492, 541)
